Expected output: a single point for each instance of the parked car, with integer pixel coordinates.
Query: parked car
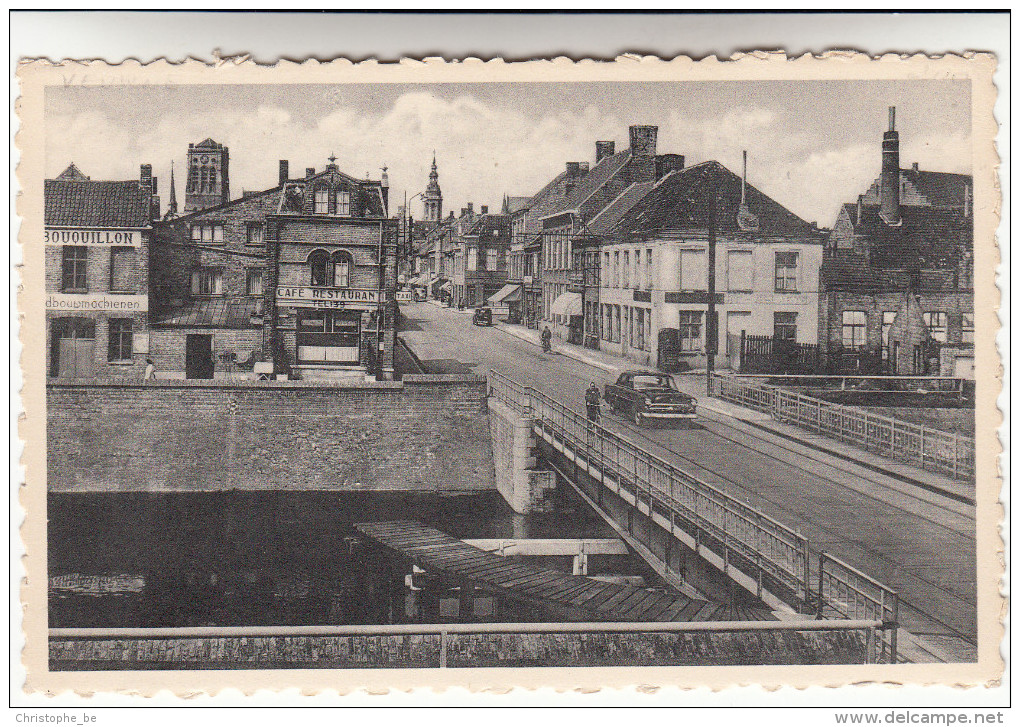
(649, 396)
(482, 317)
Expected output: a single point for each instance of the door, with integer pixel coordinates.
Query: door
(198, 359)
(72, 348)
(736, 321)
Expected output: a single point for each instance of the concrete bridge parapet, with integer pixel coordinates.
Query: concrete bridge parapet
(524, 488)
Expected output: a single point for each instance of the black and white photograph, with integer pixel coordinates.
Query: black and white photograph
(476, 375)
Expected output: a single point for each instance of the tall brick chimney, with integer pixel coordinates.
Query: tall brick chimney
(582, 168)
(641, 167)
(485, 209)
(309, 172)
(889, 193)
(145, 178)
(604, 149)
(284, 171)
(573, 169)
(666, 163)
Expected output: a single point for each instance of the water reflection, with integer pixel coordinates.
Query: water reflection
(254, 558)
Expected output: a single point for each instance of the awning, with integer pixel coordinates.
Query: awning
(437, 283)
(507, 294)
(446, 286)
(567, 304)
(416, 280)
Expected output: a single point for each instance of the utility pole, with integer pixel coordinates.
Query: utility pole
(711, 334)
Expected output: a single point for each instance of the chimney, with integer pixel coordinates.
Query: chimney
(309, 172)
(145, 178)
(471, 208)
(889, 192)
(666, 163)
(860, 207)
(604, 149)
(485, 209)
(385, 184)
(642, 140)
(915, 167)
(284, 171)
(573, 168)
(583, 168)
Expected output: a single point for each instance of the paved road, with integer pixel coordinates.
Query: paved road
(925, 552)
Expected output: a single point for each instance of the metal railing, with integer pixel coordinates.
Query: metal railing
(945, 452)
(770, 555)
(845, 592)
(120, 639)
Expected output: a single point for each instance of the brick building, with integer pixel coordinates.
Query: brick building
(97, 239)
(298, 279)
(897, 276)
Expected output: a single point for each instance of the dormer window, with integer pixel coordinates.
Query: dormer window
(343, 203)
(321, 202)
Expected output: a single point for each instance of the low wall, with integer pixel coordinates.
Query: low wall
(524, 489)
(425, 433)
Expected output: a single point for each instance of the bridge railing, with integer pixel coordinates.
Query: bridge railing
(775, 556)
(845, 592)
(771, 554)
(945, 452)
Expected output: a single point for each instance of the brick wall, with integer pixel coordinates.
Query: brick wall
(168, 346)
(427, 433)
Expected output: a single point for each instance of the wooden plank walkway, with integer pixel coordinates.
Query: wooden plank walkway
(434, 550)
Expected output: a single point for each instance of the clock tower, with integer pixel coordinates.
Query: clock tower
(208, 176)
(433, 197)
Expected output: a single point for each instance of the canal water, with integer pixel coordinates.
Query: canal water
(257, 558)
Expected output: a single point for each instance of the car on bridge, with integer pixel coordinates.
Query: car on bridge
(650, 396)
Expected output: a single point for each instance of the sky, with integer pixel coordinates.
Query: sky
(812, 145)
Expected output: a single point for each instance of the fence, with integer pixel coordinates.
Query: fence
(766, 354)
(845, 592)
(945, 452)
(451, 645)
(756, 550)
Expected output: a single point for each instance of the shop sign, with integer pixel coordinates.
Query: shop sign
(84, 302)
(696, 296)
(54, 236)
(308, 297)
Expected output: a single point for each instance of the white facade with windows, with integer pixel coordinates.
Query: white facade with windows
(762, 288)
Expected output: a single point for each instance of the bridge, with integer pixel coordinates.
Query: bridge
(680, 524)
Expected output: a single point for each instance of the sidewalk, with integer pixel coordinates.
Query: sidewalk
(762, 424)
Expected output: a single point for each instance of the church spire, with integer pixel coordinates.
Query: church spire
(171, 209)
(433, 196)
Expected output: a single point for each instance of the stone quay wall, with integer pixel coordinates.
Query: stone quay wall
(427, 433)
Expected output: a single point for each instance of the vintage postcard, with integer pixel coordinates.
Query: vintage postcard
(553, 373)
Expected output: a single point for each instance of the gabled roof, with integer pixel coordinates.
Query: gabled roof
(207, 143)
(72, 174)
(516, 204)
(585, 186)
(485, 226)
(85, 203)
(611, 215)
(544, 203)
(680, 201)
(927, 237)
(942, 189)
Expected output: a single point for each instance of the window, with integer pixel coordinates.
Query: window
(254, 234)
(120, 340)
(605, 268)
(318, 261)
(693, 270)
(343, 203)
(341, 264)
(855, 328)
(648, 269)
(207, 281)
(321, 202)
(967, 328)
(330, 270)
(888, 318)
(472, 258)
(690, 330)
(784, 326)
(616, 269)
(207, 233)
(786, 272)
(253, 281)
(936, 323)
(626, 269)
(739, 271)
(75, 260)
(121, 260)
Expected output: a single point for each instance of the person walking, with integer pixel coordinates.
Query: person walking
(546, 339)
(150, 370)
(593, 402)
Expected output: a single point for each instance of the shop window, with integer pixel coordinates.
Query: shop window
(121, 261)
(321, 202)
(120, 340)
(690, 331)
(786, 272)
(207, 282)
(936, 323)
(343, 203)
(967, 328)
(74, 264)
(255, 233)
(253, 281)
(207, 234)
(784, 326)
(855, 328)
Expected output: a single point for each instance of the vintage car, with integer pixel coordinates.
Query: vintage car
(649, 396)
(482, 317)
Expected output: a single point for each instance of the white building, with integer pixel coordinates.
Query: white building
(653, 294)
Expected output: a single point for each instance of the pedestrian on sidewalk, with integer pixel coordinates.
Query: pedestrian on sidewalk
(546, 339)
(150, 370)
(593, 402)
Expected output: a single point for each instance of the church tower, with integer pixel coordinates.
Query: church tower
(433, 197)
(208, 176)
